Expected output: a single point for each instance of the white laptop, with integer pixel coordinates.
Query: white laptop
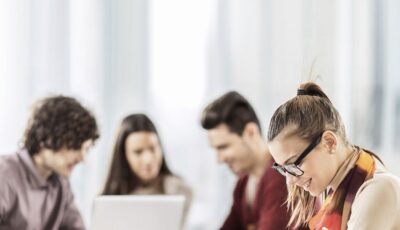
(147, 212)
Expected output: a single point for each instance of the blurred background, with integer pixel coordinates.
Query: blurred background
(169, 58)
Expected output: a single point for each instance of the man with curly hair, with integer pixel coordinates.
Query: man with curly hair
(35, 192)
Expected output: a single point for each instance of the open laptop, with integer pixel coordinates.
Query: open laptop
(141, 212)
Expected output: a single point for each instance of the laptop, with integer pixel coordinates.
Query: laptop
(141, 212)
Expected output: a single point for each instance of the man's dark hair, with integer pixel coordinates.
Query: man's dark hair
(59, 122)
(231, 109)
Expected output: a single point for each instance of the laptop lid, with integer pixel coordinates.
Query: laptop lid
(142, 212)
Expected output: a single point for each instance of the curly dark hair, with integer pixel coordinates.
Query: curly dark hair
(58, 122)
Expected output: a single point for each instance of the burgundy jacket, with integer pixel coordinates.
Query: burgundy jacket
(269, 210)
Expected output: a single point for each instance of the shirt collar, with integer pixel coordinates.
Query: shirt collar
(34, 178)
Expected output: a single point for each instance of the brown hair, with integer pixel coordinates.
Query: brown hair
(312, 113)
(59, 122)
(121, 179)
(231, 109)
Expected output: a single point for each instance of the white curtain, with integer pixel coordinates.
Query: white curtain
(169, 58)
(92, 50)
(267, 48)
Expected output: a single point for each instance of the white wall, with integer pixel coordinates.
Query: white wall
(170, 58)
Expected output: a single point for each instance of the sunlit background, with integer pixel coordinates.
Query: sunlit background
(169, 58)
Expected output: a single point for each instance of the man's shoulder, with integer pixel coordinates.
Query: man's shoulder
(10, 157)
(10, 170)
(9, 164)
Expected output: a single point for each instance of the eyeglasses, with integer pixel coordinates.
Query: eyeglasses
(294, 168)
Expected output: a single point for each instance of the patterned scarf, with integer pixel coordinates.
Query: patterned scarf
(335, 211)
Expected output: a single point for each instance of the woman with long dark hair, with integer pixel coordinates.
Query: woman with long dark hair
(138, 165)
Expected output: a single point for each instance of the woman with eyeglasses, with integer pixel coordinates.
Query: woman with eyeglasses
(307, 139)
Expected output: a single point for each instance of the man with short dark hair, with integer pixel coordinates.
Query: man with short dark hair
(259, 197)
(35, 192)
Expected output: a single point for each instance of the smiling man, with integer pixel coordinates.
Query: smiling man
(234, 132)
(35, 191)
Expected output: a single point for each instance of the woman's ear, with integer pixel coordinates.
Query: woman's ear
(329, 141)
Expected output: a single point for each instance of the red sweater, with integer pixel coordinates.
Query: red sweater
(269, 210)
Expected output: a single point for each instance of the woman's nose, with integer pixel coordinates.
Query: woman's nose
(147, 157)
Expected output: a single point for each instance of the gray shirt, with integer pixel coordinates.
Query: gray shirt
(32, 202)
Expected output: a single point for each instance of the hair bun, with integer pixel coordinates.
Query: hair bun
(301, 92)
(311, 89)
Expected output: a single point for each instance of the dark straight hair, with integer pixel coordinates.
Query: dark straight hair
(231, 109)
(121, 179)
